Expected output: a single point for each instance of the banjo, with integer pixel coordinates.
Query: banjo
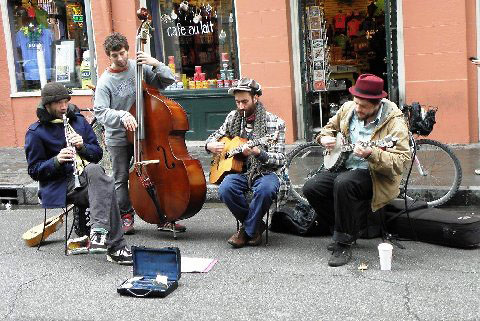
(334, 159)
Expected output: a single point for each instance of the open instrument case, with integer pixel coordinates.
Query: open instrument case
(155, 272)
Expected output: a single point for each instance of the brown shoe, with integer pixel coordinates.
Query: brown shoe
(239, 239)
(257, 238)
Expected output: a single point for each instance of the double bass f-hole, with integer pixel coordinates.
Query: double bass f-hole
(160, 148)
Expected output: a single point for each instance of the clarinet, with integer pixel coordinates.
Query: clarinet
(69, 130)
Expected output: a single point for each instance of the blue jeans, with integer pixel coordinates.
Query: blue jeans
(232, 192)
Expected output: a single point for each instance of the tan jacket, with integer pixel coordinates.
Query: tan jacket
(386, 167)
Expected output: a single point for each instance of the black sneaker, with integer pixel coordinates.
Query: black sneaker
(122, 256)
(98, 241)
(81, 221)
(332, 246)
(341, 255)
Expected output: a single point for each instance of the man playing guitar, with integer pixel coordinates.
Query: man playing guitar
(250, 120)
(370, 176)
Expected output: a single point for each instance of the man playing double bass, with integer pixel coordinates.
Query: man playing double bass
(114, 95)
(250, 120)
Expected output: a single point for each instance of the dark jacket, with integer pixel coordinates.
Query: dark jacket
(43, 141)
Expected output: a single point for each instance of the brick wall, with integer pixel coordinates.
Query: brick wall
(265, 54)
(437, 71)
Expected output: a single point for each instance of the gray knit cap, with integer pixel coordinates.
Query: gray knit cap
(54, 91)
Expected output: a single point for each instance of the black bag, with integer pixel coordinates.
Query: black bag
(433, 225)
(299, 220)
(303, 220)
(421, 124)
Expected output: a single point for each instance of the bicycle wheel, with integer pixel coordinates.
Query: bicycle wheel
(436, 173)
(302, 163)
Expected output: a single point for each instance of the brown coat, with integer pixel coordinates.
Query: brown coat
(386, 167)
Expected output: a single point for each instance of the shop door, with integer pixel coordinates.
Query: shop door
(372, 49)
(392, 49)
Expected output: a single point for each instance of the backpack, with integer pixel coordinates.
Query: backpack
(301, 219)
(421, 122)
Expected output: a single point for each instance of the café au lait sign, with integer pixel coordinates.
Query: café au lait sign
(199, 29)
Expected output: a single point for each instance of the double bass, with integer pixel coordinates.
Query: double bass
(165, 183)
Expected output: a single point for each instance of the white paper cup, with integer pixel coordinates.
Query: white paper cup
(385, 254)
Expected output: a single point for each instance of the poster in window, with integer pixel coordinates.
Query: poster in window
(62, 65)
(315, 23)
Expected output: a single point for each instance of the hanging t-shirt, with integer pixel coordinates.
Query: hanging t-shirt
(28, 45)
(353, 26)
(339, 21)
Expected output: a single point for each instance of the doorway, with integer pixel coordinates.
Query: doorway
(339, 40)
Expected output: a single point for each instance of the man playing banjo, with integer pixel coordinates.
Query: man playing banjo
(370, 176)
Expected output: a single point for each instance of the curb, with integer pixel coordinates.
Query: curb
(27, 195)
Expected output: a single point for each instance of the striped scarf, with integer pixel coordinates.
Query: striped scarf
(237, 128)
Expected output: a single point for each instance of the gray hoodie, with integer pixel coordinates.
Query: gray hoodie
(115, 94)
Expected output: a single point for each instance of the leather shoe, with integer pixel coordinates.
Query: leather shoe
(332, 246)
(341, 255)
(257, 237)
(239, 239)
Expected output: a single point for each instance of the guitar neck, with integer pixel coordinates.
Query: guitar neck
(350, 147)
(238, 150)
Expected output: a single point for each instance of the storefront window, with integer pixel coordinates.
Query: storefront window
(49, 41)
(197, 39)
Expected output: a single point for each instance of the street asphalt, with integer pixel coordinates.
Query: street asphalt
(288, 279)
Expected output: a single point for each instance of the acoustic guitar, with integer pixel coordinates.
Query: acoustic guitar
(33, 236)
(231, 159)
(334, 159)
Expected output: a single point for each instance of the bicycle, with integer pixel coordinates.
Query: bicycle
(435, 174)
(435, 171)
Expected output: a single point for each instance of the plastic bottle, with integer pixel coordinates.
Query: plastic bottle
(85, 70)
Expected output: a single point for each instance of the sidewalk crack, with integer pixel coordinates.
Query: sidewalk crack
(407, 302)
(11, 306)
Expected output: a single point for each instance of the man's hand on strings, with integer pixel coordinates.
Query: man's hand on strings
(328, 142)
(129, 122)
(76, 140)
(145, 59)
(66, 155)
(247, 151)
(361, 151)
(216, 147)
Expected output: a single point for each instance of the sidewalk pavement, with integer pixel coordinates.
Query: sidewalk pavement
(287, 280)
(17, 187)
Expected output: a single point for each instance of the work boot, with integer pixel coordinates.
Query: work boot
(239, 239)
(341, 255)
(257, 237)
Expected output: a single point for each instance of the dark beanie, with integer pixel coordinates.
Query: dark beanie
(54, 91)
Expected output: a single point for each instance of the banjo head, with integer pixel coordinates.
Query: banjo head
(334, 159)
